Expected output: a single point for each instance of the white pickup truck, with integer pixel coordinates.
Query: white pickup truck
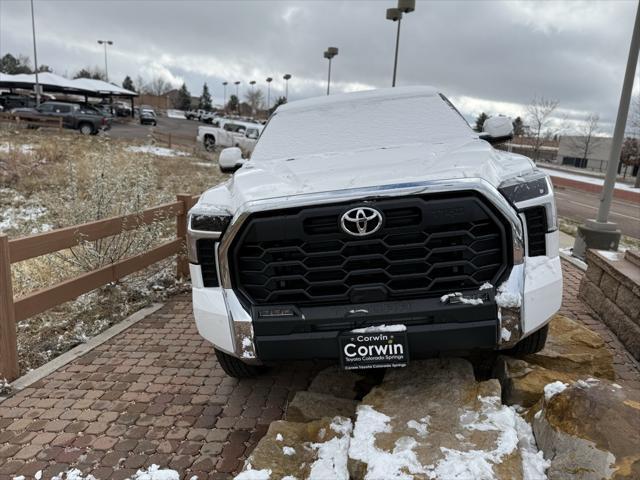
(360, 240)
(231, 134)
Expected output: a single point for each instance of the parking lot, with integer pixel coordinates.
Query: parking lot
(132, 130)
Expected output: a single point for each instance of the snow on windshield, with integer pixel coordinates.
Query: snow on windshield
(356, 125)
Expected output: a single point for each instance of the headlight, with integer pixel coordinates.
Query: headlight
(204, 227)
(521, 189)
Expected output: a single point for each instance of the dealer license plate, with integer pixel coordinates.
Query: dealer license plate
(360, 351)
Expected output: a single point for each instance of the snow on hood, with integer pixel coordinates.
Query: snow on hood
(394, 165)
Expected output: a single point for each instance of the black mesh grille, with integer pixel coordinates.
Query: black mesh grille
(426, 246)
(207, 258)
(536, 218)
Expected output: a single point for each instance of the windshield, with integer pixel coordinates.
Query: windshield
(357, 125)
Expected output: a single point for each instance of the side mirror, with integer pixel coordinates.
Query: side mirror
(497, 129)
(230, 160)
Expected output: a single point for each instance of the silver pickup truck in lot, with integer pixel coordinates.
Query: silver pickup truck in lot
(230, 133)
(351, 236)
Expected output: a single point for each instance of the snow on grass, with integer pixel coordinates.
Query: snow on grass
(554, 388)
(12, 218)
(382, 464)
(8, 147)
(381, 328)
(333, 454)
(586, 179)
(157, 151)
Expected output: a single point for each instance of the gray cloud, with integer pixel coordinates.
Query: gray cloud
(485, 55)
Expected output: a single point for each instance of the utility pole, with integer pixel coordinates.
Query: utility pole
(35, 55)
(600, 233)
(329, 54)
(224, 104)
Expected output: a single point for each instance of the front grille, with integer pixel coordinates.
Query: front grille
(536, 218)
(427, 246)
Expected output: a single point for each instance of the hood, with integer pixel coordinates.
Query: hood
(260, 180)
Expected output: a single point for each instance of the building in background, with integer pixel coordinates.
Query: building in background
(584, 152)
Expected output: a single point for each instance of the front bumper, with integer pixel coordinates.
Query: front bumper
(533, 290)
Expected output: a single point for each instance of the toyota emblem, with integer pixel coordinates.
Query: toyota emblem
(361, 221)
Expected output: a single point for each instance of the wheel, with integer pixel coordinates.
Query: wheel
(532, 344)
(209, 143)
(236, 368)
(86, 129)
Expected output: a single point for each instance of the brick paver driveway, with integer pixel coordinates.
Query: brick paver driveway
(154, 394)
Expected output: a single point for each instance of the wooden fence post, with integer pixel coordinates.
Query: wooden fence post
(8, 341)
(182, 270)
(170, 141)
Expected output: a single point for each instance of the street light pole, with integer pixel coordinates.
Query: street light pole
(224, 86)
(286, 77)
(329, 54)
(269, 80)
(395, 15)
(105, 43)
(35, 55)
(237, 97)
(600, 233)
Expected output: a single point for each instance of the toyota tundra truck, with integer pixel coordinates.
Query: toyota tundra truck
(374, 228)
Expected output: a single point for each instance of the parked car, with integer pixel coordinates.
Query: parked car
(232, 134)
(11, 101)
(377, 244)
(147, 117)
(84, 118)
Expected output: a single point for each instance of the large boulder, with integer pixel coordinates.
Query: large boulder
(434, 420)
(301, 450)
(573, 349)
(590, 430)
(337, 382)
(307, 406)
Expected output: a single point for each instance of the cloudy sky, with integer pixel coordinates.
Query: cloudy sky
(492, 56)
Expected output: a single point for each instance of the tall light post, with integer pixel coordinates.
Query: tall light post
(329, 54)
(105, 43)
(395, 15)
(269, 80)
(224, 86)
(600, 233)
(35, 55)
(237, 96)
(287, 77)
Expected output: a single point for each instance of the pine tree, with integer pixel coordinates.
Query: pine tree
(279, 101)
(127, 84)
(480, 121)
(183, 101)
(205, 99)
(518, 127)
(232, 104)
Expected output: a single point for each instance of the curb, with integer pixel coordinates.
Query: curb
(576, 262)
(76, 352)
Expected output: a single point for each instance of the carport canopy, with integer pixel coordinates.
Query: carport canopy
(52, 83)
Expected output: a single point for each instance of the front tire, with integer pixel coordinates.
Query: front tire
(532, 344)
(236, 368)
(86, 129)
(209, 143)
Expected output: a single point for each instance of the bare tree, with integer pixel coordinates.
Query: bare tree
(586, 140)
(255, 99)
(157, 86)
(539, 114)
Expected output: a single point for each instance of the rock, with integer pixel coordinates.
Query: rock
(591, 430)
(432, 419)
(337, 382)
(302, 450)
(307, 406)
(575, 350)
(523, 383)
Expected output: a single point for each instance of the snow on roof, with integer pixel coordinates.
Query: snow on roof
(83, 85)
(364, 96)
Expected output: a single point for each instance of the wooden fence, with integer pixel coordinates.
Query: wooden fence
(173, 139)
(14, 310)
(30, 120)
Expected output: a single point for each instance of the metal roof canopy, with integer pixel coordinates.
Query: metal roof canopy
(50, 82)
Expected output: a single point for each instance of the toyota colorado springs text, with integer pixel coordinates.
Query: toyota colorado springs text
(374, 228)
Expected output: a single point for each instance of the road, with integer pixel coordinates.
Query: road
(578, 206)
(135, 131)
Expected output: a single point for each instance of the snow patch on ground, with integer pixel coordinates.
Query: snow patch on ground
(382, 464)
(175, 114)
(422, 426)
(279, 437)
(13, 217)
(289, 451)
(554, 388)
(333, 454)
(534, 464)
(585, 179)
(250, 474)
(158, 151)
(8, 147)
(381, 328)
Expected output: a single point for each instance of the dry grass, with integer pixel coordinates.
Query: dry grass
(52, 180)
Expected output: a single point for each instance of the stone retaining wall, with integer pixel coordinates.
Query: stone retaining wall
(611, 287)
